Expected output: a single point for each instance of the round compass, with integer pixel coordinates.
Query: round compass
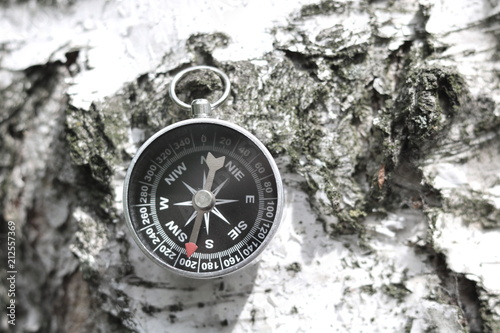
(203, 196)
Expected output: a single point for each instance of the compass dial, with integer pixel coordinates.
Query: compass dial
(203, 197)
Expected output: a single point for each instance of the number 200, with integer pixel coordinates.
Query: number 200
(188, 263)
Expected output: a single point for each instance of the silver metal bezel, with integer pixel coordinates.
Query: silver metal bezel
(279, 208)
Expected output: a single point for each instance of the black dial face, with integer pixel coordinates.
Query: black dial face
(203, 198)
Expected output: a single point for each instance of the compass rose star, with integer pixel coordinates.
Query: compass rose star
(217, 212)
(191, 189)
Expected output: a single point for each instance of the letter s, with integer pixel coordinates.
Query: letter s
(242, 225)
(182, 237)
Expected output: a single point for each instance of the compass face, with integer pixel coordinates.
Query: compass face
(203, 197)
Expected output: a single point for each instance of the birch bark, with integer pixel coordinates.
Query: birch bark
(383, 116)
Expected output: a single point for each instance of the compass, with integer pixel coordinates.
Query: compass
(203, 197)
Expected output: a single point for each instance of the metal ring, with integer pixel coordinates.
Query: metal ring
(178, 76)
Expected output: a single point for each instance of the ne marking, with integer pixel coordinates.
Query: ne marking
(234, 170)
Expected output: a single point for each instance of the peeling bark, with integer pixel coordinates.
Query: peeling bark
(385, 125)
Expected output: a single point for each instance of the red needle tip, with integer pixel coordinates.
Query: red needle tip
(190, 248)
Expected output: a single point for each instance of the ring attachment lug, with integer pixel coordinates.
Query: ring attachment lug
(201, 108)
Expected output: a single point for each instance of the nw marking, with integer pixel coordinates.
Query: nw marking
(176, 173)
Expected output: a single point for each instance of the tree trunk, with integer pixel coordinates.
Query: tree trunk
(383, 117)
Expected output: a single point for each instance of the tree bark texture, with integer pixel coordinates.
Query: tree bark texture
(383, 117)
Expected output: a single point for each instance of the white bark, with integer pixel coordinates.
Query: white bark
(384, 116)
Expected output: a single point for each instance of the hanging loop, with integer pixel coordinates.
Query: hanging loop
(224, 78)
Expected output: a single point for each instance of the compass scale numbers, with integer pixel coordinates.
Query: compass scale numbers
(173, 168)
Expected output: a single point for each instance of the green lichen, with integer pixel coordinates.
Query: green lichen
(482, 111)
(325, 7)
(294, 267)
(368, 289)
(202, 45)
(473, 209)
(427, 103)
(396, 290)
(93, 136)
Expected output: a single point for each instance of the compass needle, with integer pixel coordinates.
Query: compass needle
(190, 249)
(202, 197)
(204, 200)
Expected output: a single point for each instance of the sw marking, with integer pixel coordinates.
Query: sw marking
(174, 228)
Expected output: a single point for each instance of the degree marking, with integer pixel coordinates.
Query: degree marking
(143, 205)
(236, 145)
(257, 155)
(146, 227)
(153, 161)
(261, 179)
(241, 255)
(176, 260)
(257, 240)
(172, 148)
(192, 139)
(156, 248)
(220, 260)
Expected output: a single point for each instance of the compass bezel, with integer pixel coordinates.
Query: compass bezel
(245, 261)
